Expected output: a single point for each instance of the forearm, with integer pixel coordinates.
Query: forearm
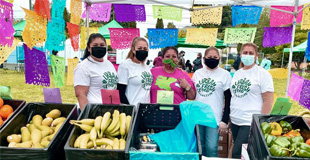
(191, 94)
(267, 102)
(82, 101)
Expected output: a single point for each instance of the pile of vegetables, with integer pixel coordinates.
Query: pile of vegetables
(283, 141)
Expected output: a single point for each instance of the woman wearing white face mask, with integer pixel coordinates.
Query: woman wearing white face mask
(252, 93)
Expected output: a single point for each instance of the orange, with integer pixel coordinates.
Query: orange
(1, 121)
(1, 102)
(5, 111)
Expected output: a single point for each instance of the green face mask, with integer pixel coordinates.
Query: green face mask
(170, 61)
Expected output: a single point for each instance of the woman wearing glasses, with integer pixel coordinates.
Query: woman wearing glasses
(252, 93)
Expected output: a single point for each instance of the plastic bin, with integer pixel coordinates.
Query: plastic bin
(156, 118)
(257, 146)
(55, 150)
(16, 105)
(92, 111)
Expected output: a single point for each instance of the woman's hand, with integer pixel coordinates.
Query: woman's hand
(183, 83)
(223, 127)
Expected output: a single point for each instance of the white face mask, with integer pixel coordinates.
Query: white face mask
(247, 60)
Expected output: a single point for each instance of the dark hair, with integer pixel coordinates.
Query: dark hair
(91, 38)
(160, 53)
(168, 48)
(210, 49)
(133, 44)
(182, 52)
(54, 53)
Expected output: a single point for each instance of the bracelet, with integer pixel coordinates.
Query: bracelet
(188, 88)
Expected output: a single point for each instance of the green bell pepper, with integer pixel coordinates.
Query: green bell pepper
(286, 127)
(282, 141)
(304, 146)
(278, 151)
(301, 150)
(266, 128)
(303, 153)
(298, 139)
(269, 139)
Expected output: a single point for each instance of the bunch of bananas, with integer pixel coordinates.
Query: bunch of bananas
(103, 132)
(39, 132)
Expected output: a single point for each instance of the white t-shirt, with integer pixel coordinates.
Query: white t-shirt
(210, 87)
(247, 87)
(138, 79)
(96, 75)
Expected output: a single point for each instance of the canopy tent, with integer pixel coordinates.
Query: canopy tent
(182, 43)
(299, 48)
(185, 3)
(19, 27)
(104, 30)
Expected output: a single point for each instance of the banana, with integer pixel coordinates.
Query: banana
(90, 144)
(98, 124)
(27, 144)
(108, 147)
(104, 141)
(12, 144)
(117, 128)
(36, 136)
(114, 121)
(47, 121)
(55, 113)
(45, 143)
(304, 112)
(89, 122)
(14, 138)
(93, 136)
(115, 134)
(84, 141)
(122, 144)
(115, 143)
(105, 122)
(102, 147)
(50, 137)
(128, 120)
(37, 145)
(57, 121)
(84, 127)
(78, 141)
(37, 120)
(109, 137)
(122, 120)
(45, 133)
(26, 136)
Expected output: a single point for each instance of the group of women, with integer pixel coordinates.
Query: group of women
(249, 92)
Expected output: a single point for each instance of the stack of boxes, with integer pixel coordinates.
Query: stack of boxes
(223, 145)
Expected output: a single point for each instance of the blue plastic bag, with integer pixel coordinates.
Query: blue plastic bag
(183, 138)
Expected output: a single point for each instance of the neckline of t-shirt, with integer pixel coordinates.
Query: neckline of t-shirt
(250, 68)
(138, 64)
(91, 59)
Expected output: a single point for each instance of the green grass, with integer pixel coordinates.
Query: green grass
(33, 93)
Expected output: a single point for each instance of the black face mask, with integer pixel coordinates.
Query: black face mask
(212, 63)
(141, 55)
(98, 52)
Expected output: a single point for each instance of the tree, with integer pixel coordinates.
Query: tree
(171, 25)
(159, 23)
(66, 17)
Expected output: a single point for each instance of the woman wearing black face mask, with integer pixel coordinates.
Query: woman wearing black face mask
(212, 87)
(94, 73)
(135, 78)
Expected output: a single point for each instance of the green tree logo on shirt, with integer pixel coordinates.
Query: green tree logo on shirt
(206, 87)
(109, 80)
(147, 80)
(241, 88)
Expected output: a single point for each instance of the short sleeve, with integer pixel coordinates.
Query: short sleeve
(266, 82)
(227, 81)
(122, 74)
(194, 78)
(81, 76)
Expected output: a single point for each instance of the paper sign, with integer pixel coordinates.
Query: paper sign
(165, 97)
(110, 96)
(52, 95)
(281, 107)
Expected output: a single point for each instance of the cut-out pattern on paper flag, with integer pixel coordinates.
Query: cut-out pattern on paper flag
(74, 34)
(278, 18)
(58, 67)
(278, 73)
(10, 1)
(275, 36)
(58, 8)
(76, 11)
(121, 38)
(129, 13)
(43, 8)
(72, 63)
(99, 12)
(161, 38)
(207, 16)
(239, 35)
(304, 99)
(6, 23)
(166, 12)
(34, 33)
(202, 36)
(245, 14)
(295, 87)
(55, 35)
(36, 68)
(6, 50)
(305, 23)
(83, 39)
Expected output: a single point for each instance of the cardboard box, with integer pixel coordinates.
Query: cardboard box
(223, 137)
(222, 149)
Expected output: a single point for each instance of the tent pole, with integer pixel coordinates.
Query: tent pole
(304, 67)
(87, 20)
(292, 45)
(282, 59)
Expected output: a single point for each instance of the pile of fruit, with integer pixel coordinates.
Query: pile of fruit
(5, 111)
(283, 141)
(39, 132)
(103, 132)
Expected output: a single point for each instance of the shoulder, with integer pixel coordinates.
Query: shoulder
(156, 69)
(262, 71)
(125, 63)
(199, 71)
